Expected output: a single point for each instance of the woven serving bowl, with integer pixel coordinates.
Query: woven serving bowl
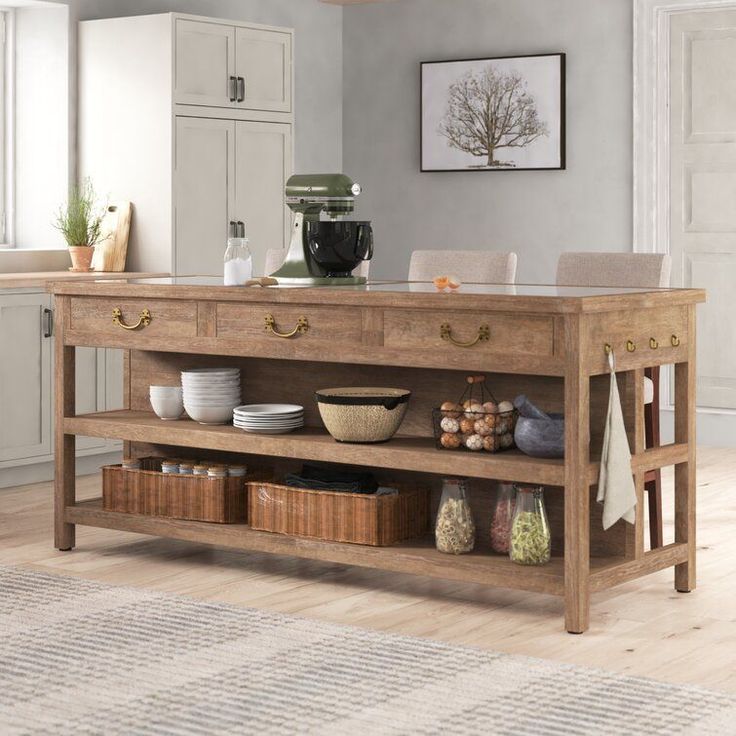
(364, 415)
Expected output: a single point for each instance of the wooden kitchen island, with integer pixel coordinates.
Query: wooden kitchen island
(547, 342)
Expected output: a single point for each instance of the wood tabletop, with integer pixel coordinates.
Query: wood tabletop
(530, 298)
(39, 279)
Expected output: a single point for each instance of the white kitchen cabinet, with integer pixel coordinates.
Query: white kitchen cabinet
(204, 64)
(26, 382)
(204, 187)
(262, 166)
(219, 64)
(25, 376)
(208, 161)
(263, 69)
(229, 172)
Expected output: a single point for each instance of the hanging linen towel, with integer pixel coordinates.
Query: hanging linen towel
(616, 489)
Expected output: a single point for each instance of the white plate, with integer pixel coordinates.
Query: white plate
(285, 425)
(270, 409)
(211, 372)
(271, 418)
(267, 431)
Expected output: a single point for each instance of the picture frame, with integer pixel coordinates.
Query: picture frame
(527, 131)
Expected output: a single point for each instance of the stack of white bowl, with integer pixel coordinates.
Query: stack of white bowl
(166, 401)
(211, 394)
(269, 418)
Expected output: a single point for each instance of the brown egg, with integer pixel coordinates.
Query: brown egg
(450, 441)
(489, 443)
(467, 426)
(490, 420)
(490, 407)
(451, 409)
(482, 428)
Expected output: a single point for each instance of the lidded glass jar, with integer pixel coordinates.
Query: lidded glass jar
(503, 512)
(238, 260)
(531, 541)
(454, 531)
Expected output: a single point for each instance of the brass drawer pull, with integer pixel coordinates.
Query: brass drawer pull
(653, 343)
(675, 341)
(484, 334)
(144, 319)
(301, 327)
(630, 346)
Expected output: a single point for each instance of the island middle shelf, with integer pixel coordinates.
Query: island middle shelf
(417, 454)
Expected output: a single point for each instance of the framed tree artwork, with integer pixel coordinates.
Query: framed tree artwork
(497, 114)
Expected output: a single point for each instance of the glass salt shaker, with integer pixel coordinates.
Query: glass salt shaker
(238, 261)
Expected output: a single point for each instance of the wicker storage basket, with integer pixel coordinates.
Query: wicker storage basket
(192, 497)
(339, 517)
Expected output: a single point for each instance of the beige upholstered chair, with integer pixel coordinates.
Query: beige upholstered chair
(644, 270)
(275, 257)
(614, 269)
(470, 266)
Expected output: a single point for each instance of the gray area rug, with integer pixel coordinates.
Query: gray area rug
(79, 657)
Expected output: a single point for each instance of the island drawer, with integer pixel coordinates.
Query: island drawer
(165, 318)
(302, 323)
(455, 330)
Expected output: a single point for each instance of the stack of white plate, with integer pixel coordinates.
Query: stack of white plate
(211, 394)
(269, 418)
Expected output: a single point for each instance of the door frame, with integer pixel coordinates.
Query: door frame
(651, 71)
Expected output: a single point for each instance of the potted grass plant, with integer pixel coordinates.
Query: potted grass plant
(80, 222)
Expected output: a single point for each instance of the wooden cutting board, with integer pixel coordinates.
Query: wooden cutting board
(110, 253)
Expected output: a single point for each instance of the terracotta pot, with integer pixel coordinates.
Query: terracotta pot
(81, 257)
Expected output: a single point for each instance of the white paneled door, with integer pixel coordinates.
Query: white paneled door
(702, 132)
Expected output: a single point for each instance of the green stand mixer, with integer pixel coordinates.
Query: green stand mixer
(324, 252)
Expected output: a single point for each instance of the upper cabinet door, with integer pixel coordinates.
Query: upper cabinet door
(204, 186)
(263, 64)
(204, 70)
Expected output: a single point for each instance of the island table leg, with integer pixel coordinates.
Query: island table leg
(685, 480)
(577, 483)
(65, 444)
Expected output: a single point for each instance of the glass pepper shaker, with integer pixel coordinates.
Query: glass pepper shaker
(531, 541)
(503, 512)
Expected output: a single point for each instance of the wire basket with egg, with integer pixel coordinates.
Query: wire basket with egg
(476, 422)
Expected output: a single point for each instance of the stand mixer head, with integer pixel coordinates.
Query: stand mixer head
(324, 252)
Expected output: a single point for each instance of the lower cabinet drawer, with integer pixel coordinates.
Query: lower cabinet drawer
(303, 324)
(145, 317)
(476, 331)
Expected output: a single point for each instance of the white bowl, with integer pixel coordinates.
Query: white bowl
(210, 414)
(165, 392)
(167, 408)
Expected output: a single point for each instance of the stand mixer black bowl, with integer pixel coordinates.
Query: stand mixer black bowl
(339, 246)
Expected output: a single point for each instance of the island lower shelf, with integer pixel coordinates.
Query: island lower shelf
(418, 557)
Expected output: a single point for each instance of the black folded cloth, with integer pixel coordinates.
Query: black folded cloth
(319, 478)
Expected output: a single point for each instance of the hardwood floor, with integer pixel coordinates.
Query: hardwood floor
(642, 628)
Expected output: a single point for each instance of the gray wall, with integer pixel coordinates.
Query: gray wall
(537, 214)
(317, 60)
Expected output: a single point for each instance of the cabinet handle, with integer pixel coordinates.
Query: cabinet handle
(48, 322)
(232, 231)
(232, 89)
(240, 229)
(240, 89)
(484, 334)
(675, 341)
(302, 326)
(144, 319)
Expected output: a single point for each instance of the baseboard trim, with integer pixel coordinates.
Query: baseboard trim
(40, 472)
